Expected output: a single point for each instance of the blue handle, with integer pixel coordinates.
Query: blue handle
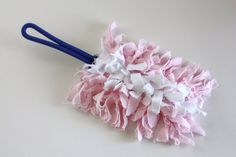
(57, 43)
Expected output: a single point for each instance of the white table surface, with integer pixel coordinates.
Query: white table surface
(36, 120)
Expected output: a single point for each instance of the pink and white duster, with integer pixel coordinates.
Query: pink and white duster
(135, 82)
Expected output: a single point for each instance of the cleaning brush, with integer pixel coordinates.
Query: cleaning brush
(136, 82)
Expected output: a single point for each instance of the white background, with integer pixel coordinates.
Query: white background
(36, 120)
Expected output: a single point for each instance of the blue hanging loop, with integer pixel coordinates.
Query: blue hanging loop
(57, 43)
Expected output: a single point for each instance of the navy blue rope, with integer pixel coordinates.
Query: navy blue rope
(57, 43)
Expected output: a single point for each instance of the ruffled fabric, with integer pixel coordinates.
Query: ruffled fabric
(137, 82)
